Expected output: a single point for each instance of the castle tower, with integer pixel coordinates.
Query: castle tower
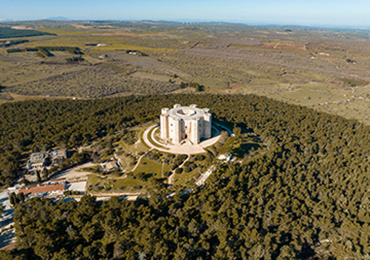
(164, 124)
(207, 121)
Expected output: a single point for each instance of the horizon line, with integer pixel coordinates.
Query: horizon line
(247, 23)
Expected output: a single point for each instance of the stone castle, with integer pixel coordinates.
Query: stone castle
(185, 123)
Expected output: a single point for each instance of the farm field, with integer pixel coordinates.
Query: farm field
(327, 70)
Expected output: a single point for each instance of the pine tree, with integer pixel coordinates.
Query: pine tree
(21, 197)
(38, 176)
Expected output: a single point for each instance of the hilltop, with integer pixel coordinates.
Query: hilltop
(305, 197)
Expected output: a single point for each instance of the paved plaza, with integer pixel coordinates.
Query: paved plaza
(183, 148)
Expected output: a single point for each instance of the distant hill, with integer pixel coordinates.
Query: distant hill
(6, 32)
(58, 18)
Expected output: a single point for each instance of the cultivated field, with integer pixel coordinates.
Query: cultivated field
(325, 69)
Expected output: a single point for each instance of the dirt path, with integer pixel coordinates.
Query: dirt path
(171, 178)
(74, 173)
(138, 161)
(108, 195)
(205, 176)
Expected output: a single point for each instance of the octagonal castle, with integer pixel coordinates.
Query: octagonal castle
(183, 123)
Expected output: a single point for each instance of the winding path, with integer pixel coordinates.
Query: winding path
(171, 178)
(139, 160)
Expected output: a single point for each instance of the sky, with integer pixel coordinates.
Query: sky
(279, 12)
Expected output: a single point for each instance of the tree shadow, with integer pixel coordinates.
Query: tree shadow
(245, 149)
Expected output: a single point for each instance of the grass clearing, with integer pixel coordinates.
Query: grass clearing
(98, 184)
(150, 166)
(188, 178)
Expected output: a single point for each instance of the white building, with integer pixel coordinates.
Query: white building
(185, 123)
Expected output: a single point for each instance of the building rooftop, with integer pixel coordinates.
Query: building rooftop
(186, 112)
(42, 188)
(77, 186)
(56, 180)
(59, 153)
(110, 165)
(36, 157)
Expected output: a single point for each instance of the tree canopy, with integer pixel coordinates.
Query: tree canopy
(306, 197)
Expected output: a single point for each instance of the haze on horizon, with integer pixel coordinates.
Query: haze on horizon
(279, 12)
